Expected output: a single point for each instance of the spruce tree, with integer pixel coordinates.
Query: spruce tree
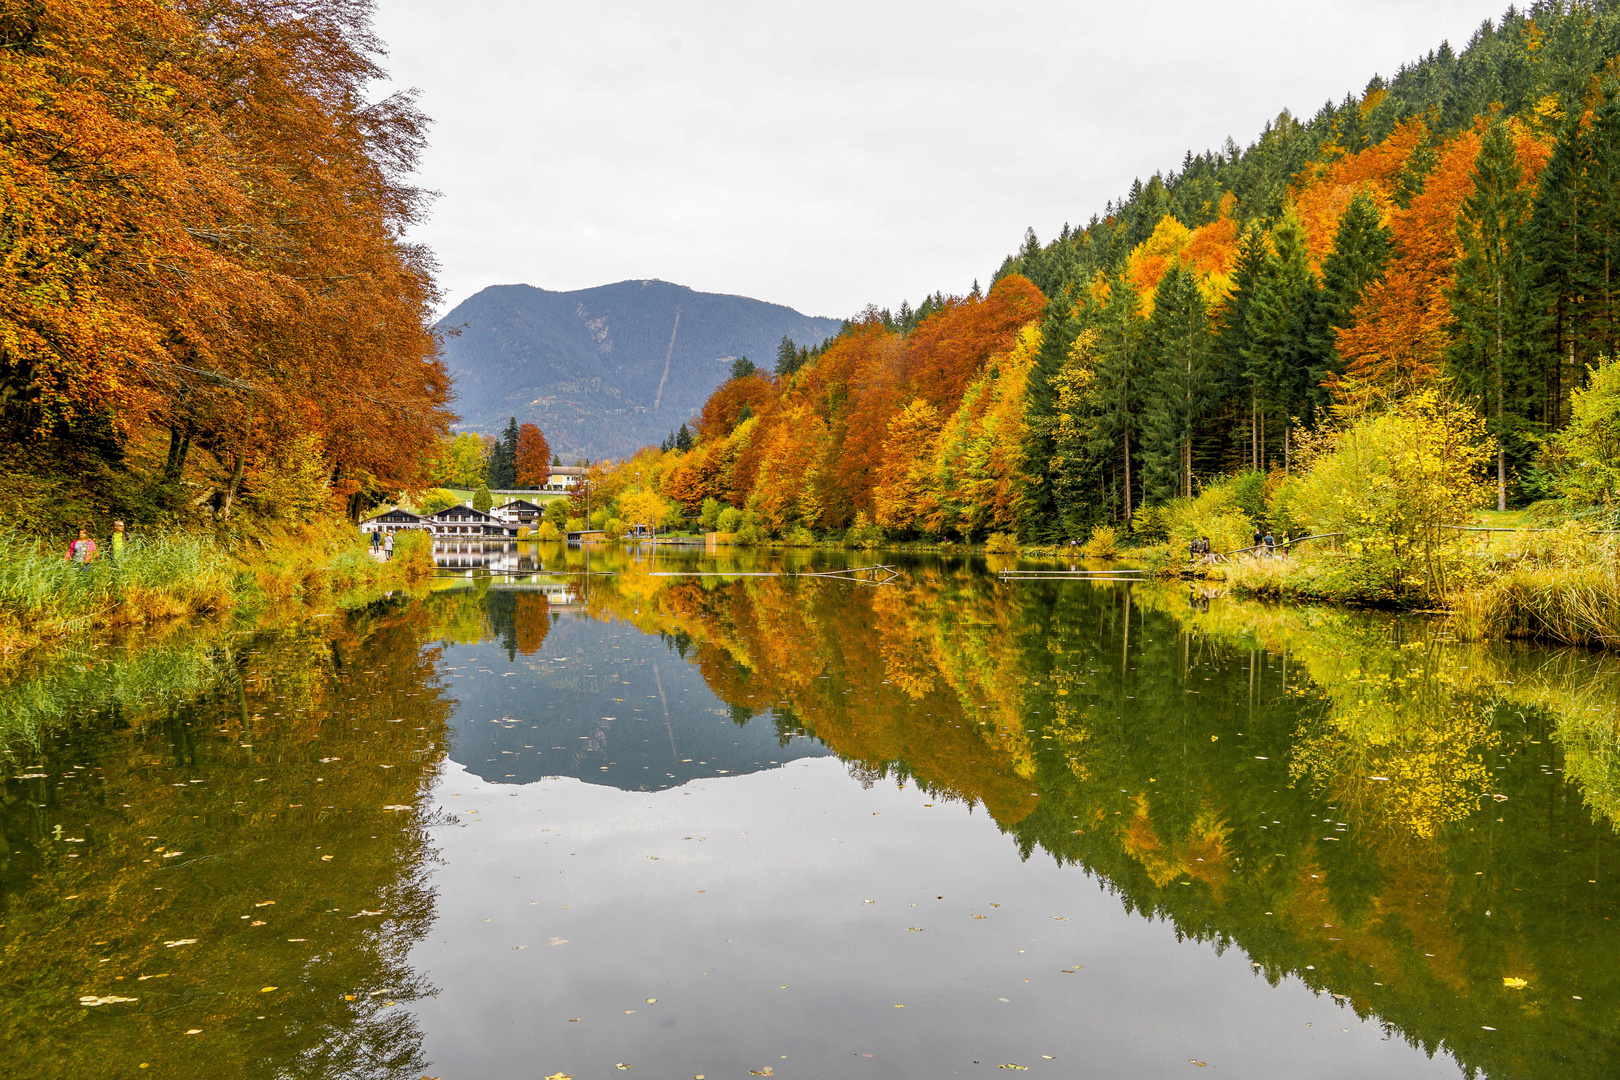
(1176, 381)
(1117, 392)
(502, 469)
(683, 439)
(1499, 312)
(1287, 352)
(1361, 249)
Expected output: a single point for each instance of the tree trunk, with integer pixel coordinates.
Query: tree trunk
(233, 486)
(179, 448)
(1127, 472)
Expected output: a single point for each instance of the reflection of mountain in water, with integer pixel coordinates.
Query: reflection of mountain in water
(601, 701)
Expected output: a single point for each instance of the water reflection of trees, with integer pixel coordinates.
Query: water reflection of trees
(1317, 787)
(199, 795)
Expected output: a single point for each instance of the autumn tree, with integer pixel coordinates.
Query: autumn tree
(532, 457)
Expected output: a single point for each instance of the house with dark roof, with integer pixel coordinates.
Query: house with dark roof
(393, 521)
(464, 521)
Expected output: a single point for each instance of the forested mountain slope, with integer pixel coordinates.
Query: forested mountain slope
(604, 371)
(1452, 230)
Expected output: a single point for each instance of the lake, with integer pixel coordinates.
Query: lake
(588, 813)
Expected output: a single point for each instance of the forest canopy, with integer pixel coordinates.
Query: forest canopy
(206, 290)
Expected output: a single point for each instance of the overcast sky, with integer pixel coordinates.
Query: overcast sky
(832, 154)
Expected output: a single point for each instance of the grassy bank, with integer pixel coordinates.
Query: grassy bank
(163, 578)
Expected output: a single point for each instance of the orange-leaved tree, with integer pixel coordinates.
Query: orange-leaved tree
(533, 457)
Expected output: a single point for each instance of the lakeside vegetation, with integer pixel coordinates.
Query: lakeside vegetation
(1377, 323)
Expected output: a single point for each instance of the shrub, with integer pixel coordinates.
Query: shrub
(574, 524)
(1392, 484)
(865, 533)
(547, 533)
(481, 498)
(1001, 544)
(556, 513)
(1103, 543)
(709, 514)
(728, 520)
(613, 527)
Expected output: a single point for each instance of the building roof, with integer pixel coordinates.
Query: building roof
(460, 511)
(396, 514)
(517, 504)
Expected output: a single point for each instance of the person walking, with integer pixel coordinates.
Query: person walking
(116, 541)
(388, 546)
(376, 539)
(1271, 544)
(81, 549)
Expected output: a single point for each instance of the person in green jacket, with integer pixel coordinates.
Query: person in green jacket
(116, 542)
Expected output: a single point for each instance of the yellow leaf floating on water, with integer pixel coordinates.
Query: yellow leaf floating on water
(265, 989)
(182, 941)
(620, 1065)
(1198, 1063)
(766, 1071)
(90, 1000)
(1513, 983)
(1010, 1065)
(194, 1031)
(560, 1076)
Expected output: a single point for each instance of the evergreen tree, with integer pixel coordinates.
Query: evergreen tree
(482, 500)
(742, 367)
(1038, 508)
(1116, 392)
(502, 470)
(790, 358)
(683, 439)
(1287, 352)
(1231, 350)
(1361, 249)
(1498, 311)
(1176, 380)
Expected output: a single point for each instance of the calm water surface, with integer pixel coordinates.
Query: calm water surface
(543, 822)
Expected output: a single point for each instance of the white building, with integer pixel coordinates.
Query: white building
(518, 512)
(394, 521)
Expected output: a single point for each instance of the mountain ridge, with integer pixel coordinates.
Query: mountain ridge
(606, 370)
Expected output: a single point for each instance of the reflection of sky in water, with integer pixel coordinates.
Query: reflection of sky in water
(779, 910)
(771, 916)
(605, 703)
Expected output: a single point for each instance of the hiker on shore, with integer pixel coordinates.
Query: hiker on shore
(81, 549)
(388, 546)
(116, 541)
(376, 538)
(1271, 544)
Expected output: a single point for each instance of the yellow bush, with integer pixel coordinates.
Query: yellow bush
(1103, 543)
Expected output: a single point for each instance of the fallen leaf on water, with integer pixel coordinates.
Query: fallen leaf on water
(264, 903)
(396, 806)
(558, 941)
(1198, 1063)
(915, 929)
(766, 1071)
(265, 989)
(899, 1006)
(1010, 1065)
(1514, 983)
(194, 1031)
(182, 941)
(560, 1076)
(256, 922)
(91, 1000)
(620, 1065)
(1048, 1057)
(326, 858)
(981, 916)
(348, 997)
(652, 1001)
(515, 948)
(1486, 1027)
(298, 939)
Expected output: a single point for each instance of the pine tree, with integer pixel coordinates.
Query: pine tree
(790, 358)
(1117, 391)
(1287, 351)
(1361, 249)
(742, 367)
(683, 439)
(1176, 380)
(502, 471)
(1498, 311)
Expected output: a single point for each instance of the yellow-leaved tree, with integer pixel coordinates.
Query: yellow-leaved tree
(1396, 485)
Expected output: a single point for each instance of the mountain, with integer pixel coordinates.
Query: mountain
(608, 370)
